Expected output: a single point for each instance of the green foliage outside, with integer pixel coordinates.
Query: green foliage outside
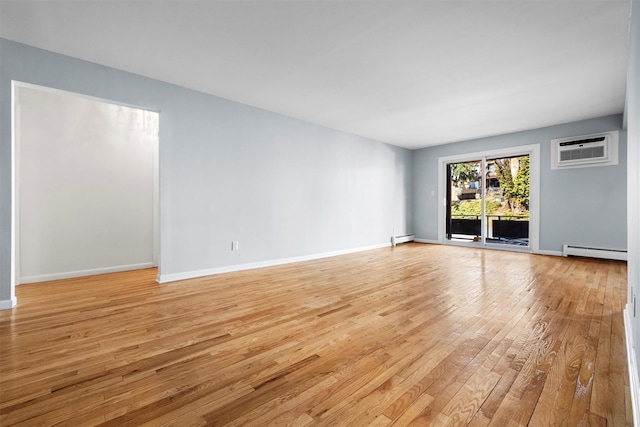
(515, 190)
(473, 207)
(521, 183)
(463, 173)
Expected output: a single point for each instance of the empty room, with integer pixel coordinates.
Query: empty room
(315, 212)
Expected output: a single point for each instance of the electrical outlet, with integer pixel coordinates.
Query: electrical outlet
(235, 246)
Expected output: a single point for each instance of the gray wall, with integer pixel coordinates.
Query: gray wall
(229, 172)
(585, 206)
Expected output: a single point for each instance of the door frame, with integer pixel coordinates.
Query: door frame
(533, 151)
(15, 186)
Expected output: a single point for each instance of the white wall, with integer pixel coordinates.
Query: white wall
(632, 113)
(85, 183)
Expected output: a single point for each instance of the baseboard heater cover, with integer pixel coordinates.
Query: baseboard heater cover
(402, 239)
(618, 254)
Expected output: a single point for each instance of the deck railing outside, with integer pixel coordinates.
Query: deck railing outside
(500, 227)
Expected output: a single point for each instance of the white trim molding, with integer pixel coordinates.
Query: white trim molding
(82, 273)
(7, 304)
(165, 278)
(634, 380)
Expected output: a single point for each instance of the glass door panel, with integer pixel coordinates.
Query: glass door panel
(507, 201)
(464, 201)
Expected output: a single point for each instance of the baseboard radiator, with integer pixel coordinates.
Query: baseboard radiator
(618, 254)
(401, 239)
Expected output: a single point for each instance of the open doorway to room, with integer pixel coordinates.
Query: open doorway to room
(491, 199)
(85, 185)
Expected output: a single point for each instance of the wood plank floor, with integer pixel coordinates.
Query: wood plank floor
(417, 335)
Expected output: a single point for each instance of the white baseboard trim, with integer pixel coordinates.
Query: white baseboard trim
(82, 273)
(165, 278)
(634, 380)
(7, 304)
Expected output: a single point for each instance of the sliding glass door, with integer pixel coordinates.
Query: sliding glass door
(487, 201)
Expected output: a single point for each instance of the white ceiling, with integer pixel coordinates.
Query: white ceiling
(410, 73)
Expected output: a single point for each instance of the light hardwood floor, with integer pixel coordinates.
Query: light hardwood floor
(420, 335)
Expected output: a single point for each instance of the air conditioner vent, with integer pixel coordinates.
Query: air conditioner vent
(582, 151)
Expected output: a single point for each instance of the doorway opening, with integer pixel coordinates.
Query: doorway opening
(85, 185)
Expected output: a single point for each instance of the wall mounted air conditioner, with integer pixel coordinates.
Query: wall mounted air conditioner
(600, 149)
